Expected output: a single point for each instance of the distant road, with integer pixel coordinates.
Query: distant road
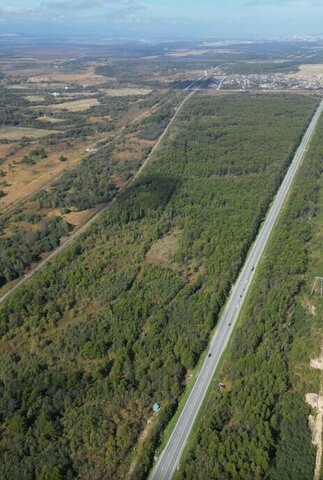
(169, 459)
(75, 235)
(221, 83)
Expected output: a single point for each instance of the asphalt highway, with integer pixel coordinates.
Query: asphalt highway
(169, 459)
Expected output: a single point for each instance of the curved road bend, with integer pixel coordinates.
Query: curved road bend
(169, 459)
(75, 235)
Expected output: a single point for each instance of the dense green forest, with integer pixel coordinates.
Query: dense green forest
(257, 428)
(86, 185)
(24, 246)
(13, 108)
(154, 125)
(148, 73)
(248, 68)
(118, 321)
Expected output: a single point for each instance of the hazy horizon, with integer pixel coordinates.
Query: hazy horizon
(152, 19)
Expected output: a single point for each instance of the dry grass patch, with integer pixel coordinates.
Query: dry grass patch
(162, 254)
(124, 92)
(119, 182)
(311, 72)
(185, 53)
(311, 69)
(308, 306)
(103, 118)
(84, 79)
(24, 180)
(5, 149)
(35, 98)
(75, 105)
(151, 57)
(19, 87)
(162, 251)
(80, 218)
(45, 118)
(31, 87)
(131, 148)
(222, 93)
(16, 133)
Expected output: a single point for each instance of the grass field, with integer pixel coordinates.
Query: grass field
(87, 78)
(4, 149)
(45, 118)
(24, 179)
(75, 105)
(35, 98)
(124, 92)
(16, 133)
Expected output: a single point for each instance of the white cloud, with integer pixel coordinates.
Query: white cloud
(18, 10)
(127, 13)
(20, 13)
(82, 4)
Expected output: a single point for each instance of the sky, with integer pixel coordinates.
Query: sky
(164, 19)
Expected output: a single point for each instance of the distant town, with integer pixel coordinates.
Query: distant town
(267, 81)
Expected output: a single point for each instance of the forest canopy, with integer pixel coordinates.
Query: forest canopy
(116, 323)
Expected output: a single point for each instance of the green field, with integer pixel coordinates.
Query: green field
(120, 319)
(16, 133)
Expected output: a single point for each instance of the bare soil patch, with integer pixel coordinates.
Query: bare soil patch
(315, 420)
(311, 72)
(315, 423)
(311, 69)
(309, 307)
